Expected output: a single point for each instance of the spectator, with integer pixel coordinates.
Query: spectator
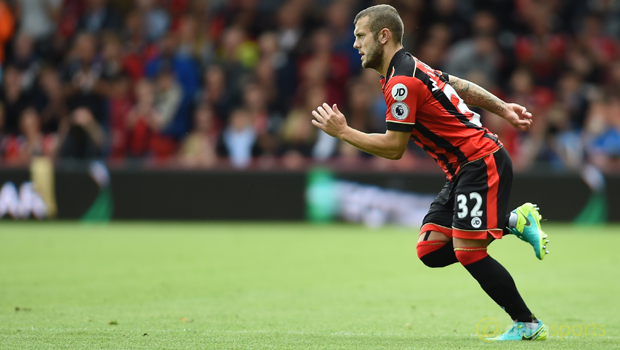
(602, 134)
(149, 118)
(31, 140)
(565, 121)
(168, 96)
(340, 24)
(290, 26)
(433, 49)
(525, 149)
(524, 92)
(155, 19)
(142, 120)
(199, 147)
(447, 12)
(541, 50)
(239, 139)
(359, 107)
(194, 42)
(50, 99)
(38, 19)
(186, 73)
(266, 122)
(412, 13)
(265, 77)
(276, 72)
(592, 38)
(477, 54)
(322, 67)
(99, 17)
(177, 9)
(136, 48)
(431, 53)
(298, 138)
(81, 76)
(610, 12)
(112, 64)
(14, 98)
(70, 17)
(81, 136)
(574, 99)
(238, 55)
(215, 92)
(25, 59)
(120, 106)
(580, 61)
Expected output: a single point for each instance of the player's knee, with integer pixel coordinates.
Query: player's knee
(470, 255)
(427, 253)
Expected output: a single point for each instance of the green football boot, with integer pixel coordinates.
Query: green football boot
(520, 331)
(528, 229)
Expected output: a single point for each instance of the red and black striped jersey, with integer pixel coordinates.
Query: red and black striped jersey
(421, 101)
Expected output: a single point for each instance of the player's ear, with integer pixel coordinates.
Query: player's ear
(384, 36)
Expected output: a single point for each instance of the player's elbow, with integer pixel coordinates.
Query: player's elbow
(396, 154)
(396, 144)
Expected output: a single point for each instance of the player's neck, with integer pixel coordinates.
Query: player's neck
(388, 54)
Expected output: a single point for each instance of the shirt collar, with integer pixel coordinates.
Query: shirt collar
(391, 68)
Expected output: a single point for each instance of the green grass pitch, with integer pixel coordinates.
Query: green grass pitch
(287, 286)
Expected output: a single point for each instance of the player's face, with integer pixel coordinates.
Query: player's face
(367, 45)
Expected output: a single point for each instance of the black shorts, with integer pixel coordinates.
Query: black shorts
(475, 202)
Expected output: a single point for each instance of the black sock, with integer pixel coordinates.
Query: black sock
(506, 231)
(496, 281)
(441, 257)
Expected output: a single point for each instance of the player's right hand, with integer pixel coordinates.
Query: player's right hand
(518, 116)
(330, 120)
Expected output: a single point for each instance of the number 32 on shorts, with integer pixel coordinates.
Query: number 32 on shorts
(463, 208)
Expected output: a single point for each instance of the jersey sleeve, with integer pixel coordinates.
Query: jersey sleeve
(445, 75)
(402, 97)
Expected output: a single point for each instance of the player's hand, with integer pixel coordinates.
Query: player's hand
(332, 121)
(518, 116)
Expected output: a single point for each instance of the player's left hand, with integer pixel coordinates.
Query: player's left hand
(330, 120)
(518, 116)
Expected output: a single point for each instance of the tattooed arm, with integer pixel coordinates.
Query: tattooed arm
(475, 95)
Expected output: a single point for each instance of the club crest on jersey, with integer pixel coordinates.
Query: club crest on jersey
(400, 110)
(399, 92)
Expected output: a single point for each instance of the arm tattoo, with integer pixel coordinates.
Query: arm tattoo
(474, 95)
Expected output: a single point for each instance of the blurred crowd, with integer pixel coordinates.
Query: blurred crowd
(212, 83)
